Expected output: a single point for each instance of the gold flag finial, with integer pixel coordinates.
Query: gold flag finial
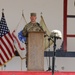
(22, 12)
(2, 10)
(41, 13)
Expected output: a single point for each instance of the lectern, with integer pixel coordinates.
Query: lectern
(35, 51)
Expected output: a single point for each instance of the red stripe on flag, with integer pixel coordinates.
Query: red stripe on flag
(9, 42)
(13, 41)
(0, 57)
(3, 59)
(17, 40)
(6, 46)
(11, 37)
(5, 55)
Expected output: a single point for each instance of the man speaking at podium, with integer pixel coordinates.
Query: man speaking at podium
(31, 26)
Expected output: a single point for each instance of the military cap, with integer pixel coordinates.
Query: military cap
(33, 14)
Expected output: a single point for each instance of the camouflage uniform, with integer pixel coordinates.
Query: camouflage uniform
(31, 27)
(28, 28)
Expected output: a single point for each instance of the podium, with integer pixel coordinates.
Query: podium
(35, 51)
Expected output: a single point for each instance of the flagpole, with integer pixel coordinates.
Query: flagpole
(15, 31)
(46, 35)
(21, 52)
(4, 64)
(21, 64)
(24, 16)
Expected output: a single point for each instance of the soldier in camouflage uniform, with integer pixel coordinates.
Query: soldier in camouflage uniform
(31, 26)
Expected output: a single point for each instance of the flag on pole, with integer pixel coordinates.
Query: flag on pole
(6, 42)
(19, 39)
(43, 25)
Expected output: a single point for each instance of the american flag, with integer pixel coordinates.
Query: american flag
(6, 42)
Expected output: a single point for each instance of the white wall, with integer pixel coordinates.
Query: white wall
(53, 15)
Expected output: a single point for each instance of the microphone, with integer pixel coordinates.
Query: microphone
(40, 26)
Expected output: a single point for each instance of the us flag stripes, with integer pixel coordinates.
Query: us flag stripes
(6, 42)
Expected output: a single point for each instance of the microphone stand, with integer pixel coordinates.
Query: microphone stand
(49, 68)
(53, 59)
